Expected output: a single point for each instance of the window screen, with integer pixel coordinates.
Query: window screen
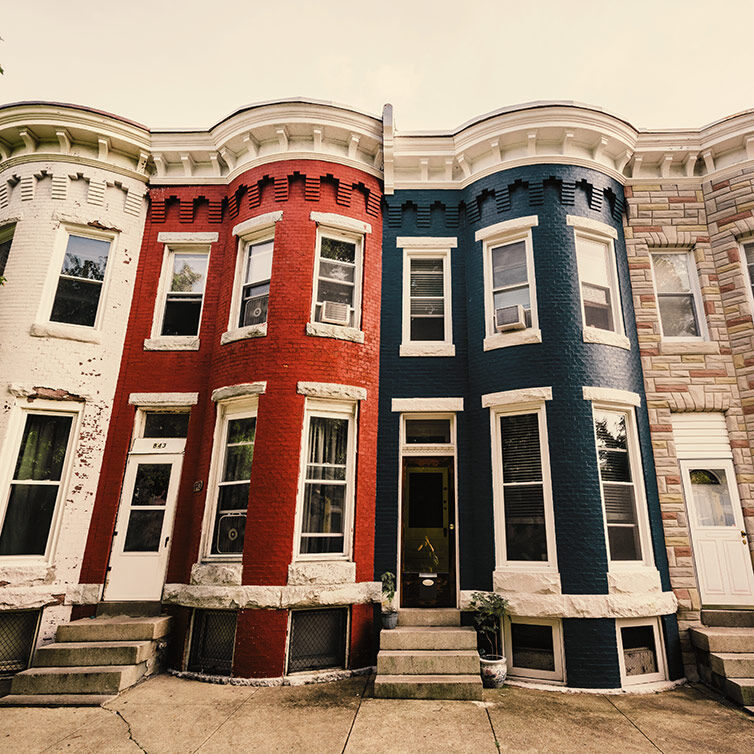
(427, 300)
(18, 630)
(318, 639)
(212, 642)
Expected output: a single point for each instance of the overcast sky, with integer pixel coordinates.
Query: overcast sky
(188, 63)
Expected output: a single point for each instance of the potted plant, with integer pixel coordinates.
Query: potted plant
(389, 611)
(489, 611)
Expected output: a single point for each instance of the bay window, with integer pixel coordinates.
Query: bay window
(31, 499)
(327, 479)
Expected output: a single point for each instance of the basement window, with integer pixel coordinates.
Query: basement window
(640, 650)
(318, 640)
(213, 640)
(18, 630)
(534, 648)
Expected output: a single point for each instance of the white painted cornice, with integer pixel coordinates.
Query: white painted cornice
(268, 133)
(35, 131)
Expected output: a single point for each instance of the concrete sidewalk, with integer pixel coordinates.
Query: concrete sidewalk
(167, 714)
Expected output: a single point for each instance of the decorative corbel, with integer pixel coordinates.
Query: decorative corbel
(188, 164)
(353, 146)
(214, 159)
(465, 167)
(282, 134)
(229, 158)
(667, 161)
(709, 161)
(141, 167)
(531, 143)
(252, 145)
(495, 149)
(104, 147)
(64, 139)
(449, 168)
(424, 169)
(31, 142)
(689, 163)
(317, 139)
(160, 164)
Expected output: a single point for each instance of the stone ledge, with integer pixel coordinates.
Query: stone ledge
(606, 338)
(172, 343)
(239, 391)
(65, 332)
(321, 572)
(244, 333)
(641, 605)
(509, 339)
(322, 330)
(331, 390)
(427, 349)
(270, 597)
(219, 574)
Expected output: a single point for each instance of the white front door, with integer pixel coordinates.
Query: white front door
(139, 553)
(721, 550)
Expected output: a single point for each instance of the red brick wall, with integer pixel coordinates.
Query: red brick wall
(260, 643)
(282, 358)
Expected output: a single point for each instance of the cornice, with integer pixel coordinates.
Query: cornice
(35, 131)
(300, 129)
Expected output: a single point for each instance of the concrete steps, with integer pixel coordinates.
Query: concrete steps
(92, 660)
(428, 656)
(725, 653)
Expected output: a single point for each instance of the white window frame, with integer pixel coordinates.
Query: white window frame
(14, 437)
(157, 341)
(423, 410)
(330, 409)
(418, 247)
(747, 273)
(7, 231)
(53, 328)
(141, 444)
(556, 676)
(240, 408)
(598, 232)
(255, 230)
(695, 291)
(662, 671)
(498, 494)
(502, 234)
(640, 495)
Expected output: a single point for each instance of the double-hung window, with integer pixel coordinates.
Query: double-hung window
(327, 479)
(29, 504)
(255, 291)
(184, 292)
(598, 281)
(523, 494)
(427, 310)
(338, 271)
(6, 239)
(233, 456)
(618, 468)
(81, 280)
(510, 300)
(678, 296)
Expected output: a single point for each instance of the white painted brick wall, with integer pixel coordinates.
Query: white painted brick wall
(82, 368)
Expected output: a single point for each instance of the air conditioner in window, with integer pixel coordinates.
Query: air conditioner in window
(335, 313)
(510, 318)
(230, 530)
(256, 310)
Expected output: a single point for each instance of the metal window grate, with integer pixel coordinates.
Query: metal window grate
(318, 639)
(212, 642)
(17, 633)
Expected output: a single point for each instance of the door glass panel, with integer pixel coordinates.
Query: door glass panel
(712, 503)
(163, 424)
(144, 530)
(151, 485)
(428, 431)
(426, 495)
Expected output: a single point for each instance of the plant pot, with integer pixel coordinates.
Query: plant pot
(493, 669)
(389, 620)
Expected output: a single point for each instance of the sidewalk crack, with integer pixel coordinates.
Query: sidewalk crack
(632, 723)
(353, 722)
(230, 714)
(128, 726)
(492, 727)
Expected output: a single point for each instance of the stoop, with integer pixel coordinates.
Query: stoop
(428, 656)
(91, 661)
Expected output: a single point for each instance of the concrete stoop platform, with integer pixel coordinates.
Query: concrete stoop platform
(725, 653)
(93, 660)
(428, 656)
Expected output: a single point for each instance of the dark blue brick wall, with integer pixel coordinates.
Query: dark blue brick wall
(591, 653)
(562, 361)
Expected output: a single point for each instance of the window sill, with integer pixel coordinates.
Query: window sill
(516, 338)
(606, 338)
(634, 578)
(305, 573)
(322, 330)
(680, 347)
(172, 343)
(244, 333)
(65, 331)
(427, 349)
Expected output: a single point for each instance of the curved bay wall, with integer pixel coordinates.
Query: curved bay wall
(562, 361)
